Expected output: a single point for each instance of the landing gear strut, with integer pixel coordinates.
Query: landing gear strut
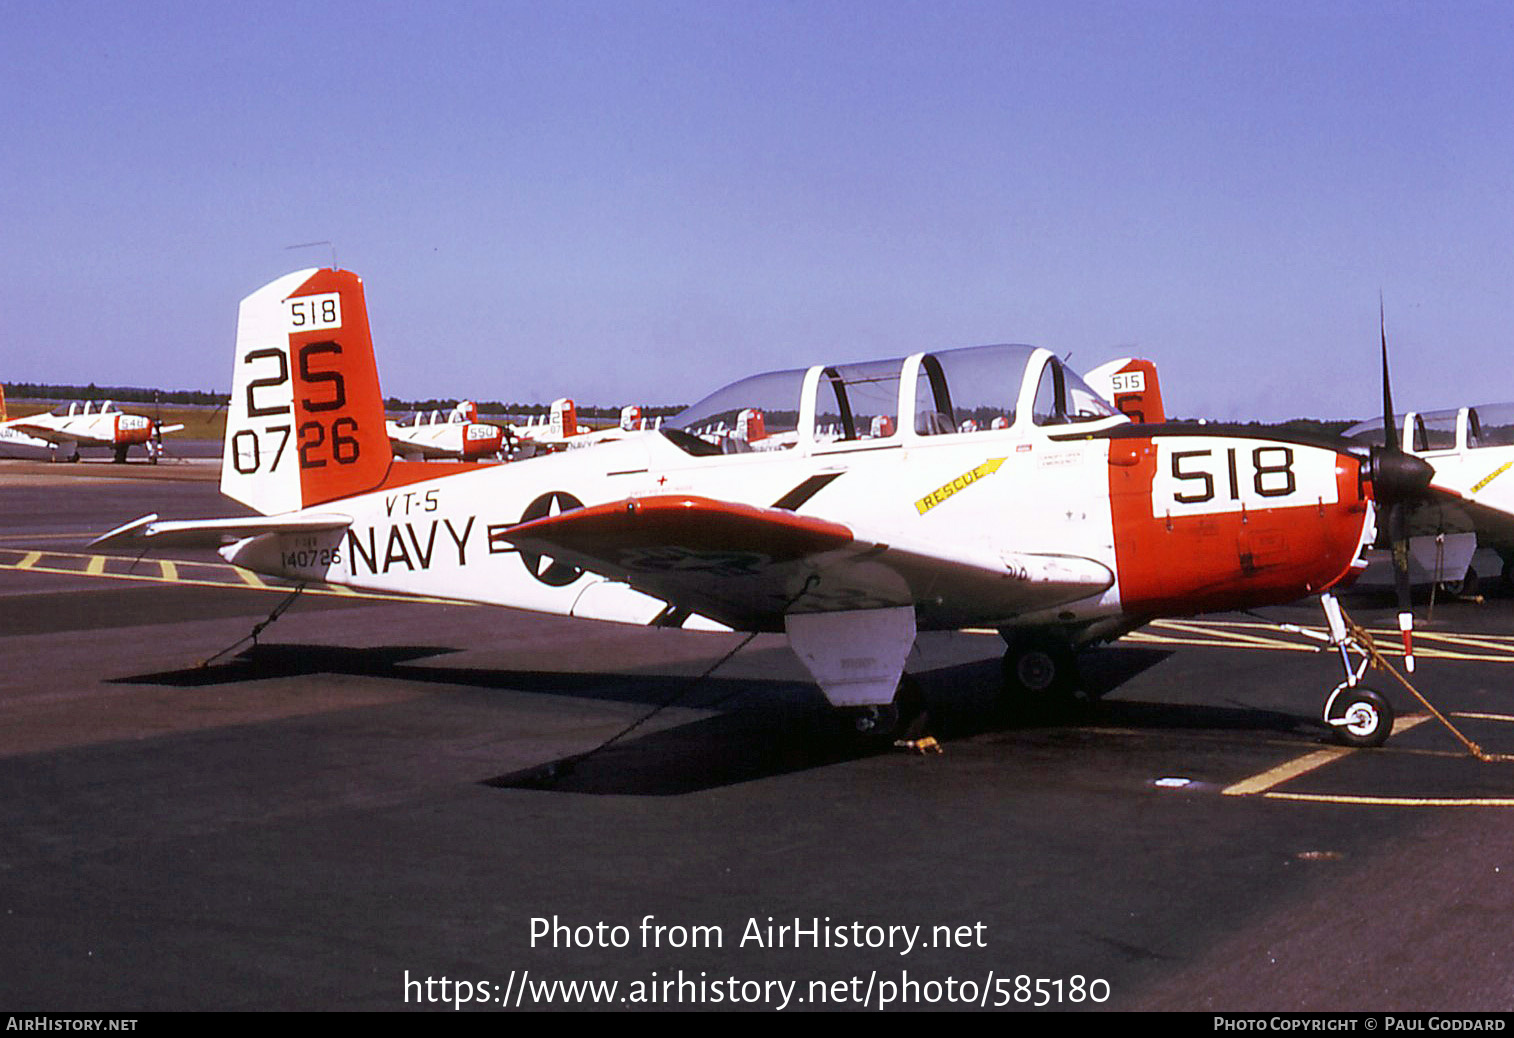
(1355, 714)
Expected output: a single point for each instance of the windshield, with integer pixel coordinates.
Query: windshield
(767, 402)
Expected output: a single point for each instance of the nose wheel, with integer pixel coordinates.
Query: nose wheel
(1358, 716)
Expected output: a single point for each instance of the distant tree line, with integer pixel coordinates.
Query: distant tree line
(488, 407)
(195, 397)
(201, 398)
(120, 394)
(1308, 426)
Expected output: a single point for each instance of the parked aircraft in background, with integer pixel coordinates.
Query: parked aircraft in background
(1054, 519)
(1470, 502)
(457, 435)
(560, 429)
(68, 427)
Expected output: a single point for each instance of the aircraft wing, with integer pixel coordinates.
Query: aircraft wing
(748, 566)
(211, 533)
(36, 431)
(12, 432)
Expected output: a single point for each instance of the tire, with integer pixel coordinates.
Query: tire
(1040, 672)
(904, 718)
(1359, 716)
(1468, 585)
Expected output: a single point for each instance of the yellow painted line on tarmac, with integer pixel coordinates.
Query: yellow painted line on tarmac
(1270, 642)
(1484, 717)
(170, 572)
(1377, 801)
(250, 578)
(1491, 642)
(1228, 635)
(1312, 761)
(1283, 772)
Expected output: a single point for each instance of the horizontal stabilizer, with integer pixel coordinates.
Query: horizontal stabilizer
(150, 531)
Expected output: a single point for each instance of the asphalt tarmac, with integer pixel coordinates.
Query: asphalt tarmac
(380, 795)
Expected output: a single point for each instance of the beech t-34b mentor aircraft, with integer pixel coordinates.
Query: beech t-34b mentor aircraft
(1470, 502)
(68, 427)
(457, 435)
(863, 514)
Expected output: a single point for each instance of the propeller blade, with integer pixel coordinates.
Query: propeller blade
(1388, 430)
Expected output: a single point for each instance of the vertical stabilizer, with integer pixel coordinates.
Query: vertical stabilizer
(1131, 385)
(306, 419)
(564, 419)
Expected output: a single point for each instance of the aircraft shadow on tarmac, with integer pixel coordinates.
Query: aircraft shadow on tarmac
(764, 728)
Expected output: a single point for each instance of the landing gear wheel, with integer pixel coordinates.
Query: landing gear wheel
(876, 722)
(905, 718)
(1040, 672)
(1466, 586)
(1358, 716)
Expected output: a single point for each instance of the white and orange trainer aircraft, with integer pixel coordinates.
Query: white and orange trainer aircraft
(456, 435)
(68, 427)
(863, 514)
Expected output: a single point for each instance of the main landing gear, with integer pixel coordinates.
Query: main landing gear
(905, 722)
(1039, 671)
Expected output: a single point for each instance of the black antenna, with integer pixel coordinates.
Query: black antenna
(313, 244)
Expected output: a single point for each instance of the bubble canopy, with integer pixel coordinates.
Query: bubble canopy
(1466, 428)
(964, 391)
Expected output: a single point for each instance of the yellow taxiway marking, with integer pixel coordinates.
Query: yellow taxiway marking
(1238, 634)
(169, 572)
(1484, 717)
(1376, 801)
(1308, 762)
(1283, 772)
(1264, 784)
(250, 578)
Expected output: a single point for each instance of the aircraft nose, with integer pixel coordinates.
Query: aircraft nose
(1397, 475)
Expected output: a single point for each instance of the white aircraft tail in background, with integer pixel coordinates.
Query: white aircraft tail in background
(1131, 385)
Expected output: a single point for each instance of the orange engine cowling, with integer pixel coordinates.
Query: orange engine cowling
(480, 439)
(132, 428)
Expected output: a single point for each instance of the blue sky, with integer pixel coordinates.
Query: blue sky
(638, 202)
